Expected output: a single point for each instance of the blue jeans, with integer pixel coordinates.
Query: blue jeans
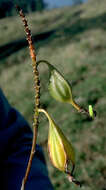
(15, 146)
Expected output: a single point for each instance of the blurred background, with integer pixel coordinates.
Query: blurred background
(71, 35)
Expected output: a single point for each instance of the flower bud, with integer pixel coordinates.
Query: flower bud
(59, 87)
(61, 90)
(91, 112)
(60, 149)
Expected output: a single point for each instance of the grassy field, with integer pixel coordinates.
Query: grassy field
(76, 45)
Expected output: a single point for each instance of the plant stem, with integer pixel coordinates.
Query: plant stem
(79, 109)
(37, 95)
(45, 112)
(72, 179)
(76, 106)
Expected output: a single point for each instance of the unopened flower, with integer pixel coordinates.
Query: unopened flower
(60, 89)
(60, 149)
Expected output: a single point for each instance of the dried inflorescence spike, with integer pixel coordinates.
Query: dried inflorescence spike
(28, 33)
(37, 92)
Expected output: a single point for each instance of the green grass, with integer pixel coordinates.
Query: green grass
(78, 49)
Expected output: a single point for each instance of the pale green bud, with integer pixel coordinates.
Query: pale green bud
(59, 87)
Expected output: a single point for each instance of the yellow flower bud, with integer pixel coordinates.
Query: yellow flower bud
(60, 149)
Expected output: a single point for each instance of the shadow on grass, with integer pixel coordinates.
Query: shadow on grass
(70, 29)
(12, 47)
(74, 26)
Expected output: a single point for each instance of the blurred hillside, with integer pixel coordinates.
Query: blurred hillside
(74, 40)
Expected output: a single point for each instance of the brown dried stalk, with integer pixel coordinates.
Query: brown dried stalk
(37, 95)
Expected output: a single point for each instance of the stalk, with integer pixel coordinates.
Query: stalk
(37, 95)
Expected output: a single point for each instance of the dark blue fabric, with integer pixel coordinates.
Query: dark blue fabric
(15, 146)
